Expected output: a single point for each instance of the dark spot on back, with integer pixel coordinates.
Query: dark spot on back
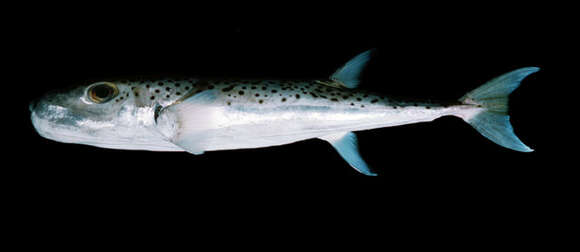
(283, 99)
(186, 87)
(313, 95)
(179, 93)
(157, 91)
(334, 99)
(297, 96)
(257, 95)
(229, 88)
(241, 92)
(374, 101)
(274, 90)
(167, 89)
(177, 84)
(264, 88)
(261, 101)
(210, 87)
(152, 97)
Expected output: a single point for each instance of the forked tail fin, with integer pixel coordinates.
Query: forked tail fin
(493, 122)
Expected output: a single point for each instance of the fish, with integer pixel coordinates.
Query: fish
(196, 115)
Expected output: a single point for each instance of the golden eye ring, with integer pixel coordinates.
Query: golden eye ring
(102, 92)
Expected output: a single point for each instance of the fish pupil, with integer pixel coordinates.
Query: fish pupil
(102, 91)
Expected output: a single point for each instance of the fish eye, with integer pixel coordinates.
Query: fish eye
(102, 92)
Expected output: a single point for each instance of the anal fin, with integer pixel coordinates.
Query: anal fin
(346, 145)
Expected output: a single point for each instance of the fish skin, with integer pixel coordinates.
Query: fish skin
(133, 107)
(198, 115)
(262, 113)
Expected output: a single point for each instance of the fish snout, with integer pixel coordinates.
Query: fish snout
(39, 104)
(39, 107)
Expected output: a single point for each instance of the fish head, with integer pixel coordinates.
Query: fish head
(102, 114)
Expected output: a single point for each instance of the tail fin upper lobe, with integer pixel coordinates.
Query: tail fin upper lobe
(493, 122)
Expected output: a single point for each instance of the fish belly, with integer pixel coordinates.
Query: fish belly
(240, 128)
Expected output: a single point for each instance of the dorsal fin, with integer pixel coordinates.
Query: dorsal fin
(348, 75)
(331, 83)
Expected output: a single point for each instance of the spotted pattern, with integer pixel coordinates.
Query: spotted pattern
(237, 92)
(147, 92)
(260, 92)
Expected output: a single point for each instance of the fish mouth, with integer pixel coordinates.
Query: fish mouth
(57, 124)
(48, 128)
(52, 121)
(44, 127)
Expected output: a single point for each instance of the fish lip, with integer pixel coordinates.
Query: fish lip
(47, 129)
(35, 119)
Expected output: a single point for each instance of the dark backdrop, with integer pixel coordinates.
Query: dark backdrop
(431, 175)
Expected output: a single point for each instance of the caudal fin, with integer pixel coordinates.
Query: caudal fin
(493, 122)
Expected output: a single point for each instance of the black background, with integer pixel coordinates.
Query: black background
(438, 178)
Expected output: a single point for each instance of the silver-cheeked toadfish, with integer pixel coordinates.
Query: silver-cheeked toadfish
(198, 115)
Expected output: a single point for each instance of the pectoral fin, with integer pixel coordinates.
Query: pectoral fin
(187, 122)
(346, 145)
